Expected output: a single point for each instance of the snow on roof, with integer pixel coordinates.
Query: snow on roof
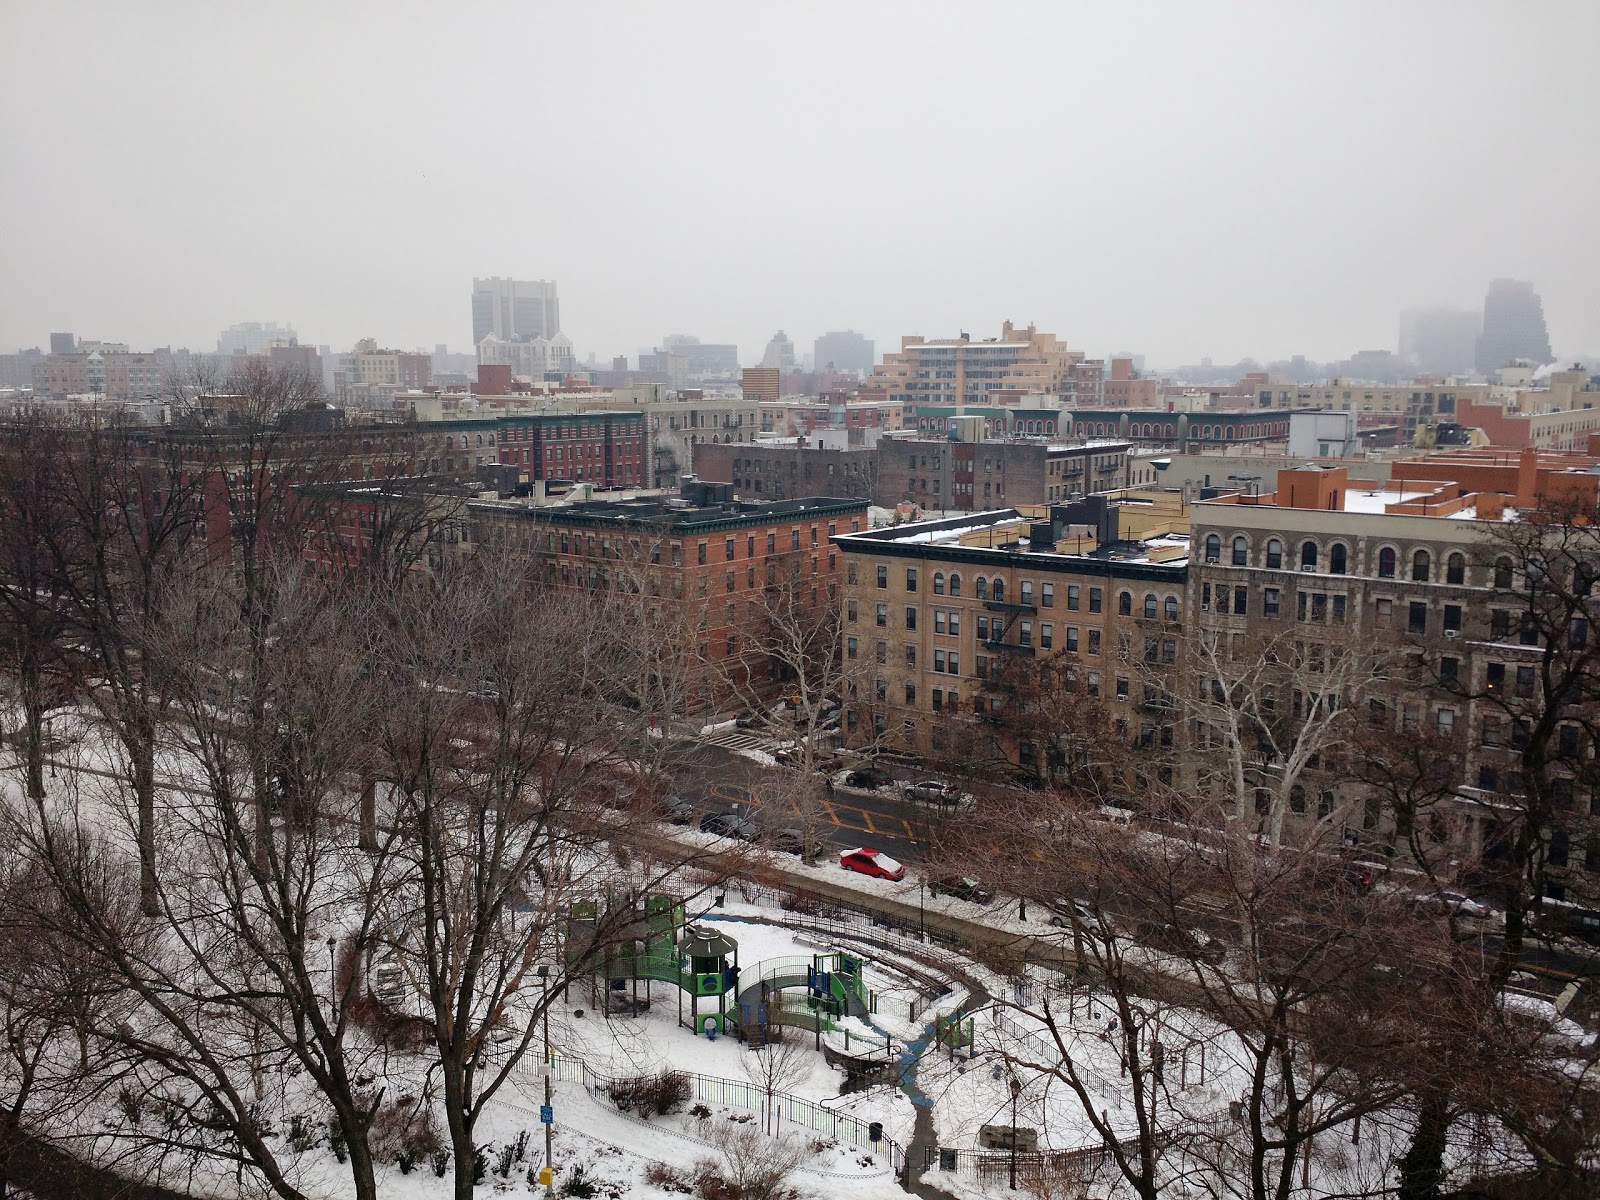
(1378, 500)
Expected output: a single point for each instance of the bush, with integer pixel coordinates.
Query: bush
(700, 1112)
(657, 1094)
(624, 1093)
(503, 1160)
(406, 1159)
(302, 1134)
(668, 1178)
(337, 1143)
(480, 1164)
(440, 1162)
(403, 1125)
(578, 1184)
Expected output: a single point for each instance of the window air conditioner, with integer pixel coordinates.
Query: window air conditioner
(1452, 633)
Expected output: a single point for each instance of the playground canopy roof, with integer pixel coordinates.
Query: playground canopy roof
(700, 942)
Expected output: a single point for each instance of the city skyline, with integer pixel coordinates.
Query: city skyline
(1198, 221)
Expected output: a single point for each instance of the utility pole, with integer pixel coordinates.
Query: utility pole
(549, 1069)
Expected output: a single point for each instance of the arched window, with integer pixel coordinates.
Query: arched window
(1308, 556)
(999, 590)
(1150, 606)
(1213, 548)
(1502, 573)
(1455, 568)
(1419, 566)
(1336, 558)
(1124, 604)
(938, 583)
(1274, 554)
(1171, 608)
(1386, 563)
(981, 588)
(480, 439)
(955, 585)
(449, 443)
(1241, 551)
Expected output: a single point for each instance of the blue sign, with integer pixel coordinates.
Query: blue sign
(547, 1114)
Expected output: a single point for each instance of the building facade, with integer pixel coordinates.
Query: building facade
(960, 372)
(514, 308)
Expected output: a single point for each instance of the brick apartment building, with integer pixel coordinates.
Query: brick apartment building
(949, 621)
(720, 560)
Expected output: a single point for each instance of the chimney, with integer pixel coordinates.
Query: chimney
(1527, 477)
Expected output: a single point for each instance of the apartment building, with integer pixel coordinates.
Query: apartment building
(719, 559)
(776, 469)
(949, 623)
(960, 371)
(975, 475)
(798, 416)
(1412, 566)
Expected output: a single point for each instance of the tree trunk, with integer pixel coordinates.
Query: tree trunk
(1422, 1165)
(143, 756)
(33, 711)
(369, 814)
(361, 1165)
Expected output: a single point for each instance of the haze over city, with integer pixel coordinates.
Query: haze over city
(1181, 181)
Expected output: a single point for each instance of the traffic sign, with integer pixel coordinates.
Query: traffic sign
(547, 1114)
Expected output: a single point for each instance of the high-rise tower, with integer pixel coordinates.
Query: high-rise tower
(514, 309)
(1513, 326)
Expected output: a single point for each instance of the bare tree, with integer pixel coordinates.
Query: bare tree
(753, 1165)
(779, 1064)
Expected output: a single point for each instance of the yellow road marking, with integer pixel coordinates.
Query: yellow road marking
(911, 834)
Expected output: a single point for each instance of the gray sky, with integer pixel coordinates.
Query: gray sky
(1176, 179)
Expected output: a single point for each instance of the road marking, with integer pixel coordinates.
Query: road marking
(911, 834)
(867, 817)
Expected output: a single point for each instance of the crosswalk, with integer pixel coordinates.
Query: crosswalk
(734, 740)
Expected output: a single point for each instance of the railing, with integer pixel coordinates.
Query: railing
(994, 1166)
(732, 1093)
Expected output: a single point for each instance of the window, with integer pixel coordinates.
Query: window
(1124, 604)
(851, 610)
(1094, 641)
(938, 620)
(851, 575)
(1072, 597)
(1308, 556)
(1025, 591)
(911, 579)
(1025, 633)
(881, 651)
(1502, 573)
(1241, 600)
(1525, 681)
(1046, 636)
(955, 622)
(954, 668)
(1122, 687)
(1455, 569)
(727, 550)
(955, 585)
(1446, 722)
(998, 591)
(1452, 618)
(938, 662)
(1417, 620)
(911, 693)
(1072, 639)
(1449, 670)
(911, 616)
(883, 616)
(1047, 595)
(1170, 607)
(1150, 606)
(981, 588)
(983, 628)
(938, 583)
(1096, 600)
(1419, 566)
(1386, 560)
(1336, 558)
(1213, 548)
(911, 657)
(883, 575)
(700, 553)
(851, 647)
(938, 704)
(1274, 554)
(1091, 683)
(772, 545)
(1270, 601)
(1241, 551)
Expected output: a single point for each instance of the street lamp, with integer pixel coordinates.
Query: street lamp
(1016, 1090)
(549, 1126)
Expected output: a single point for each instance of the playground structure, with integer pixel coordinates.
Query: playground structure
(657, 942)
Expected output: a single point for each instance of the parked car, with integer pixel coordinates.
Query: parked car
(867, 861)
(791, 840)
(1457, 902)
(1064, 910)
(962, 887)
(730, 825)
(867, 777)
(751, 718)
(935, 791)
(680, 810)
(1174, 939)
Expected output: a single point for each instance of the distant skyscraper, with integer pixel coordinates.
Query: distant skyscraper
(254, 337)
(1439, 341)
(63, 343)
(514, 309)
(1513, 326)
(780, 352)
(847, 351)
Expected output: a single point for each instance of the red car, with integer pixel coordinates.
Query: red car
(867, 861)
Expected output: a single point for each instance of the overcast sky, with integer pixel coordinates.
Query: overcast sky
(1180, 180)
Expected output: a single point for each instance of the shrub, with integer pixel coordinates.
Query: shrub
(503, 1160)
(302, 1134)
(625, 1093)
(440, 1161)
(337, 1143)
(700, 1112)
(480, 1164)
(578, 1184)
(668, 1178)
(406, 1159)
(668, 1092)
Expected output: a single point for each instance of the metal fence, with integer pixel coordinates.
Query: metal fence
(733, 1093)
(992, 1166)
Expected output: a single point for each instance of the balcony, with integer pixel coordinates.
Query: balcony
(1008, 607)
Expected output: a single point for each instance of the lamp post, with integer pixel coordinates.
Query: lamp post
(1016, 1090)
(549, 1067)
(922, 914)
